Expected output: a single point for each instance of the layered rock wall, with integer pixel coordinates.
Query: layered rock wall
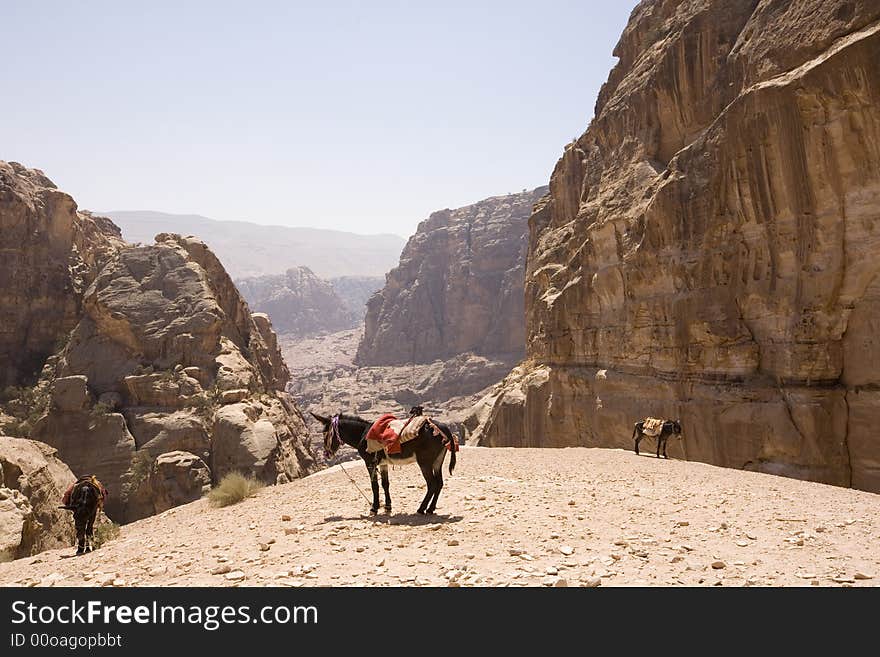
(706, 248)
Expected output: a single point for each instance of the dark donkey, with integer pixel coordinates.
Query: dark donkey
(427, 449)
(670, 427)
(84, 499)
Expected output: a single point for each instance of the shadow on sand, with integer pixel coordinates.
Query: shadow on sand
(412, 519)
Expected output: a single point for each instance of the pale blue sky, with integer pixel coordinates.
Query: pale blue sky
(360, 116)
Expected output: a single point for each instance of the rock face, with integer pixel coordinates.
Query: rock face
(166, 341)
(298, 302)
(457, 289)
(50, 253)
(706, 248)
(32, 483)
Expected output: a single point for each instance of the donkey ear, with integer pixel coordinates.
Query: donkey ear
(319, 418)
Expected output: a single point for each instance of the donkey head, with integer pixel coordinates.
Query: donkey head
(330, 430)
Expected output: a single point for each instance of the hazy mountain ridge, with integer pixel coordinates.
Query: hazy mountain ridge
(248, 249)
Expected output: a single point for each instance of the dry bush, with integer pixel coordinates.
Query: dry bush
(233, 488)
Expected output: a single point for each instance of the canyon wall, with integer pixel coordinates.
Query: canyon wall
(457, 289)
(706, 248)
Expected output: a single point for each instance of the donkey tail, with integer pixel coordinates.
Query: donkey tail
(453, 447)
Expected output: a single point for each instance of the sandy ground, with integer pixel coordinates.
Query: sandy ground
(508, 517)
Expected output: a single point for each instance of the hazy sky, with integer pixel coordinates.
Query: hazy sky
(360, 116)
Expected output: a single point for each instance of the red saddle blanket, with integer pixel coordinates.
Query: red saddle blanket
(383, 433)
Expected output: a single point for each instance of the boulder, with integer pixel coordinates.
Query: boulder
(71, 393)
(175, 478)
(32, 482)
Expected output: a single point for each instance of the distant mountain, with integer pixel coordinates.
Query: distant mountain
(248, 249)
(301, 304)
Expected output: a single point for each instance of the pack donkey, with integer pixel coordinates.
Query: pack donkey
(427, 449)
(661, 429)
(85, 498)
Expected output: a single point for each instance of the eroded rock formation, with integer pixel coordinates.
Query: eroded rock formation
(168, 358)
(457, 289)
(299, 303)
(706, 250)
(149, 360)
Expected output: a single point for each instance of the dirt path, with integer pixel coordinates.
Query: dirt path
(509, 517)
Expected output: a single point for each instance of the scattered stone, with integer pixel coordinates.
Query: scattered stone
(592, 582)
(862, 576)
(717, 565)
(235, 576)
(566, 550)
(452, 542)
(285, 518)
(222, 569)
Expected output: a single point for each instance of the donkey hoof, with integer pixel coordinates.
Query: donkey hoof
(422, 511)
(387, 509)
(374, 511)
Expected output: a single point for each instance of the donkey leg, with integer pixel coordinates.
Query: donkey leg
(374, 483)
(437, 469)
(438, 486)
(383, 470)
(428, 474)
(90, 533)
(664, 448)
(638, 440)
(80, 537)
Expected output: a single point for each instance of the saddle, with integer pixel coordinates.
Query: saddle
(87, 480)
(652, 426)
(389, 433)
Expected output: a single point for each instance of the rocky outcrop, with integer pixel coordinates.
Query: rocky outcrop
(457, 289)
(49, 253)
(32, 483)
(298, 302)
(166, 342)
(706, 248)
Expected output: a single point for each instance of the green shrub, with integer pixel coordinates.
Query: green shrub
(141, 465)
(99, 409)
(233, 488)
(104, 533)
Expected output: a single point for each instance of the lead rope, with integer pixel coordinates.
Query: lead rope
(355, 484)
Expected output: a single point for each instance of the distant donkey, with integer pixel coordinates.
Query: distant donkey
(654, 427)
(85, 498)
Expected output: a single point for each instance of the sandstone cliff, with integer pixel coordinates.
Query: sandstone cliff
(706, 248)
(457, 289)
(158, 378)
(49, 253)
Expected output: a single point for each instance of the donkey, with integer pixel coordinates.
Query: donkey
(670, 427)
(427, 449)
(84, 500)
